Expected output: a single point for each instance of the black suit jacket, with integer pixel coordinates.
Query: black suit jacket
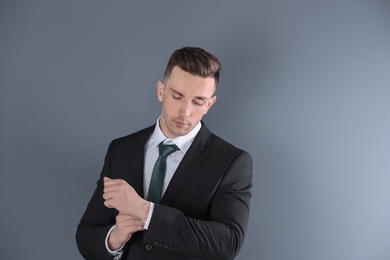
(202, 215)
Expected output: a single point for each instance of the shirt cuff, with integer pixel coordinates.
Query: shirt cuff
(116, 253)
(147, 222)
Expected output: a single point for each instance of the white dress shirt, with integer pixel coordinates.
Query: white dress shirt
(172, 162)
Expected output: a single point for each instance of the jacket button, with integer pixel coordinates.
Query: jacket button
(148, 247)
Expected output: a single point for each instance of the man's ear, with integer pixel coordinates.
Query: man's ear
(160, 90)
(211, 102)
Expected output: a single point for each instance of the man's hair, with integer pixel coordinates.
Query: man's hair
(195, 61)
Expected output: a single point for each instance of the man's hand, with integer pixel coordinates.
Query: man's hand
(120, 195)
(124, 228)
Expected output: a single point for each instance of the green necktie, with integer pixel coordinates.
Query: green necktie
(156, 183)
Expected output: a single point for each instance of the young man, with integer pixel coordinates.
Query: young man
(189, 203)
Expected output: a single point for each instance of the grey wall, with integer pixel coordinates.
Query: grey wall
(305, 89)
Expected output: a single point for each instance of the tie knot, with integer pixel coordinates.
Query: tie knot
(166, 150)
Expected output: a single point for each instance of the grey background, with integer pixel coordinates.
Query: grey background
(305, 89)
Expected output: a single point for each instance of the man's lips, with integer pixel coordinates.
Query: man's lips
(180, 123)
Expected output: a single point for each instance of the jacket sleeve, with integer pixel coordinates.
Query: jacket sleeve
(221, 235)
(96, 222)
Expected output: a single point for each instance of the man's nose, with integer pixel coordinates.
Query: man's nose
(185, 109)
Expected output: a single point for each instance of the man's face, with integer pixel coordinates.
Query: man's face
(185, 99)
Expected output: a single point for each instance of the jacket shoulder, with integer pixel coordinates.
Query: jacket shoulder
(144, 133)
(223, 145)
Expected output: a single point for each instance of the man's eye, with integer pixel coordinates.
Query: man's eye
(176, 97)
(197, 103)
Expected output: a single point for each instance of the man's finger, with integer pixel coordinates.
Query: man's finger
(111, 182)
(108, 204)
(108, 182)
(108, 195)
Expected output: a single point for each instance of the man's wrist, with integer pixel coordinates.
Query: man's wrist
(145, 208)
(112, 248)
(113, 243)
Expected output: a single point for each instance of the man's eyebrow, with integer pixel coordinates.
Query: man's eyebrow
(176, 92)
(180, 94)
(202, 98)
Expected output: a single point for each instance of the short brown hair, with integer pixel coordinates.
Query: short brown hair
(195, 61)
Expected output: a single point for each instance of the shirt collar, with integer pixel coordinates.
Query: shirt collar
(183, 142)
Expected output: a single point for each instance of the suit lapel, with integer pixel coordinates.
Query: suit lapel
(194, 156)
(136, 164)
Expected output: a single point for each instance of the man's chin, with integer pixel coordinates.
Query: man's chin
(180, 131)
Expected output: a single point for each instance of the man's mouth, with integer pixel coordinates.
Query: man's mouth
(180, 123)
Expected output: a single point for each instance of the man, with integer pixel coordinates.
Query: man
(196, 205)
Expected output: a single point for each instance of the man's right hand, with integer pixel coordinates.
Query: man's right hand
(124, 228)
